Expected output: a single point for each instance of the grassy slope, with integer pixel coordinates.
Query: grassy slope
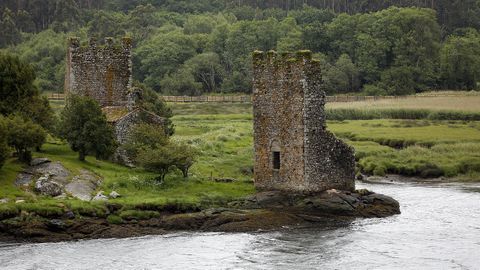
(224, 139)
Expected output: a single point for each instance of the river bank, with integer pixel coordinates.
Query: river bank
(438, 229)
(261, 212)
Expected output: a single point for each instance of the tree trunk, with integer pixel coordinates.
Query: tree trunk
(81, 155)
(185, 172)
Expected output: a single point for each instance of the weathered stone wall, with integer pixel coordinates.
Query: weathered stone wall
(124, 126)
(101, 72)
(278, 121)
(289, 117)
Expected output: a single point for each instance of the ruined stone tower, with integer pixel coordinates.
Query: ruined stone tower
(103, 73)
(293, 150)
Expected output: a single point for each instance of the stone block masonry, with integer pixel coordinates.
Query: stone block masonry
(294, 151)
(101, 72)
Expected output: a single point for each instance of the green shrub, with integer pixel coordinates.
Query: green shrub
(89, 209)
(8, 211)
(46, 210)
(114, 219)
(379, 171)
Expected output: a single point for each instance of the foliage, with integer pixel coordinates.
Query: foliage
(4, 150)
(460, 61)
(18, 93)
(196, 47)
(16, 84)
(23, 135)
(184, 158)
(40, 112)
(152, 149)
(153, 103)
(84, 126)
(440, 160)
(143, 137)
(46, 53)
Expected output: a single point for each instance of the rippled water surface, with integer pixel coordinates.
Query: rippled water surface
(439, 228)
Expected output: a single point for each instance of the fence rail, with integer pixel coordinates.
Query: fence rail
(55, 96)
(248, 98)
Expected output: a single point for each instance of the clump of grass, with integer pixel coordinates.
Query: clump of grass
(460, 102)
(8, 211)
(88, 209)
(114, 219)
(339, 114)
(43, 208)
(138, 215)
(395, 134)
(448, 160)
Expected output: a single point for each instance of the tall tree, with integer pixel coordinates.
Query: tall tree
(84, 126)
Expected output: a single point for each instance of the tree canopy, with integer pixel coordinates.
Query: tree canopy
(84, 126)
(189, 47)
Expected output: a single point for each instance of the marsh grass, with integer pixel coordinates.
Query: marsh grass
(415, 145)
(450, 160)
(461, 103)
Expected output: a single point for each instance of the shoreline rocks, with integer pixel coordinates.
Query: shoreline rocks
(263, 211)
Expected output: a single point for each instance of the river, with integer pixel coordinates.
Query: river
(439, 228)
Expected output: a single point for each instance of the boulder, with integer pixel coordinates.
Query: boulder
(23, 179)
(45, 186)
(56, 225)
(100, 197)
(39, 161)
(69, 215)
(114, 195)
(83, 185)
(56, 171)
(4, 200)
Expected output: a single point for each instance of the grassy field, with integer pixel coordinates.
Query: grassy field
(453, 103)
(223, 135)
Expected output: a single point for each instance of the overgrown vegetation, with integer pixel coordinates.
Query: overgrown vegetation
(195, 47)
(24, 114)
(84, 126)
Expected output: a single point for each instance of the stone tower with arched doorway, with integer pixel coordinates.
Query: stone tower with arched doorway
(293, 149)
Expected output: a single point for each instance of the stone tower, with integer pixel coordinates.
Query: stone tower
(293, 150)
(103, 73)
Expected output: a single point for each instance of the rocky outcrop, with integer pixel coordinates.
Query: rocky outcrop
(53, 179)
(262, 211)
(361, 203)
(47, 187)
(83, 185)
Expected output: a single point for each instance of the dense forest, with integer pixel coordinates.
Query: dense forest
(376, 47)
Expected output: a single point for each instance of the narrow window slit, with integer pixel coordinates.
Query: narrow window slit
(276, 160)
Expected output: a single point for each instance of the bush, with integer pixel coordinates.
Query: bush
(114, 219)
(85, 128)
(158, 160)
(373, 90)
(144, 136)
(23, 135)
(8, 211)
(4, 150)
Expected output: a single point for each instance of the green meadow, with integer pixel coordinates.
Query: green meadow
(223, 136)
